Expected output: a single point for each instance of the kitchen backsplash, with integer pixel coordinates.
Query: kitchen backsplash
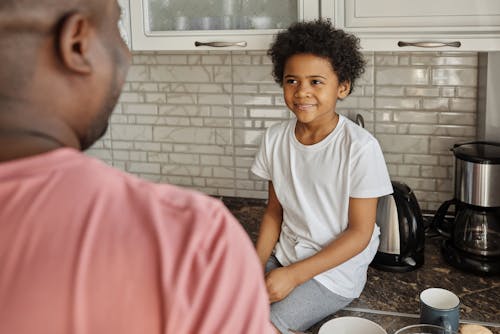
(196, 119)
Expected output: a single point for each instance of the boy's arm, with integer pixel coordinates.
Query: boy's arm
(270, 227)
(362, 214)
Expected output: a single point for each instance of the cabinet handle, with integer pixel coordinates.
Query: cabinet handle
(455, 44)
(220, 44)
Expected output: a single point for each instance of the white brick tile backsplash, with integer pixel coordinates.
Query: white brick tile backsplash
(403, 143)
(131, 97)
(468, 105)
(268, 113)
(155, 98)
(457, 118)
(214, 99)
(409, 117)
(397, 103)
(184, 159)
(140, 109)
(441, 145)
(131, 132)
(448, 91)
(386, 59)
(139, 167)
(252, 100)
(408, 170)
(402, 76)
(467, 92)
(138, 73)
(241, 88)
(420, 159)
(196, 120)
(270, 88)
(252, 74)
(441, 104)
(223, 172)
(142, 87)
(454, 76)
(421, 91)
(175, 73)
(247, 137)
(419, 184)
(184, 135)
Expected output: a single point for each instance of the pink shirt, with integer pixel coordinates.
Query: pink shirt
(85, 248)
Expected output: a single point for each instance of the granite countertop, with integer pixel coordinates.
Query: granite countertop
(391, 299)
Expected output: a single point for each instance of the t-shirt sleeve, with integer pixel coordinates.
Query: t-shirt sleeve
(224, 289)
(260, 166)
(368, 172)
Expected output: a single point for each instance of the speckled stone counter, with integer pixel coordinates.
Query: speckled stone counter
(391, 299)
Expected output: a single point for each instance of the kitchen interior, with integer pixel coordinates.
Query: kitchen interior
(192, 113)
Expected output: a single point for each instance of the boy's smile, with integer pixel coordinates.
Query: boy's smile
(311, 90)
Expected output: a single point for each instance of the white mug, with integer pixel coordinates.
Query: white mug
(440, 307)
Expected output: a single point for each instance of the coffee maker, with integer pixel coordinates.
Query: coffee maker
(472, 238)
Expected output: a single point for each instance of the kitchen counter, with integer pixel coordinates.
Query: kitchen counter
(391, 299)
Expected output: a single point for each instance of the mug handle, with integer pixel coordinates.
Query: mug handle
(447, 325)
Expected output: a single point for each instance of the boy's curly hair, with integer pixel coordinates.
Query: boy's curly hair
(321, 39)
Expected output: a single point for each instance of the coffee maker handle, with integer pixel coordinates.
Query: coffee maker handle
(439, 218)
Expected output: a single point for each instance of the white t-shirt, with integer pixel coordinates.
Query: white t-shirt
(313, 184)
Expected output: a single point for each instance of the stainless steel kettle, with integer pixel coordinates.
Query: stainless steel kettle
(402, 233)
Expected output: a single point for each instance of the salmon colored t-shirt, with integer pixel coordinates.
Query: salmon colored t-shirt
(88, 249)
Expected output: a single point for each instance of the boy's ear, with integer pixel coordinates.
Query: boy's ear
(74, 43)
(344, 89)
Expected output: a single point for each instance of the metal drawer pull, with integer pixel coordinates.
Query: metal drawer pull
(456, 44)
(220, 44)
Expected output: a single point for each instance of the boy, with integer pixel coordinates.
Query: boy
(318, 233)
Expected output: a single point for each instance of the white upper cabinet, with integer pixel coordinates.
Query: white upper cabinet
(382, 25)
(447, 25)
(213, 24)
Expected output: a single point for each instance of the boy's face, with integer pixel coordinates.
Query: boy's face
(311, 88)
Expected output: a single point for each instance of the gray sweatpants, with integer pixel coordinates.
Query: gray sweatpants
(306, 305)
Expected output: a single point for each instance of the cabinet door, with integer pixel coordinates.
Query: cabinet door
(419, 25)
(423, 14)
(210, 24)
(124, 23)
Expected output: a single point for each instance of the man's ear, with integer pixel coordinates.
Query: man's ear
(343, 89)
(74, 43)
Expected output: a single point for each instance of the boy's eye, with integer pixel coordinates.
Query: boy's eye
(316, 82)
(291, 81)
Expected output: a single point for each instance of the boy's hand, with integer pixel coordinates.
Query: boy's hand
(280, 282)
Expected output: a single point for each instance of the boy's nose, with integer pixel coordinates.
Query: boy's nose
(302, 92)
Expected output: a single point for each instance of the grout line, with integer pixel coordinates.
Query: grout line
(411, 315)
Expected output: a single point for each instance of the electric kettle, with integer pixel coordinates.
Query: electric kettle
(402, 233)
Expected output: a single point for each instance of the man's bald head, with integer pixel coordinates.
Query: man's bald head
(63, 64)
(24, 25)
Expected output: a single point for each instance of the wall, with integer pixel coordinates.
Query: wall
(196, 119)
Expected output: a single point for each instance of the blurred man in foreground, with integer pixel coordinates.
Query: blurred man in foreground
(85, 248)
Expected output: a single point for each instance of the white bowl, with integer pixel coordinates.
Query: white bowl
(351, 325)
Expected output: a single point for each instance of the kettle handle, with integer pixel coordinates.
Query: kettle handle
(439, 218)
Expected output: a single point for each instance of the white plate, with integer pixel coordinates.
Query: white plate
(351, 325)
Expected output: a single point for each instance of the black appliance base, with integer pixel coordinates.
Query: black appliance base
(395, 263)
(481, 265)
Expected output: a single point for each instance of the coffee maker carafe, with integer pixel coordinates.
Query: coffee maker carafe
(472, 239)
